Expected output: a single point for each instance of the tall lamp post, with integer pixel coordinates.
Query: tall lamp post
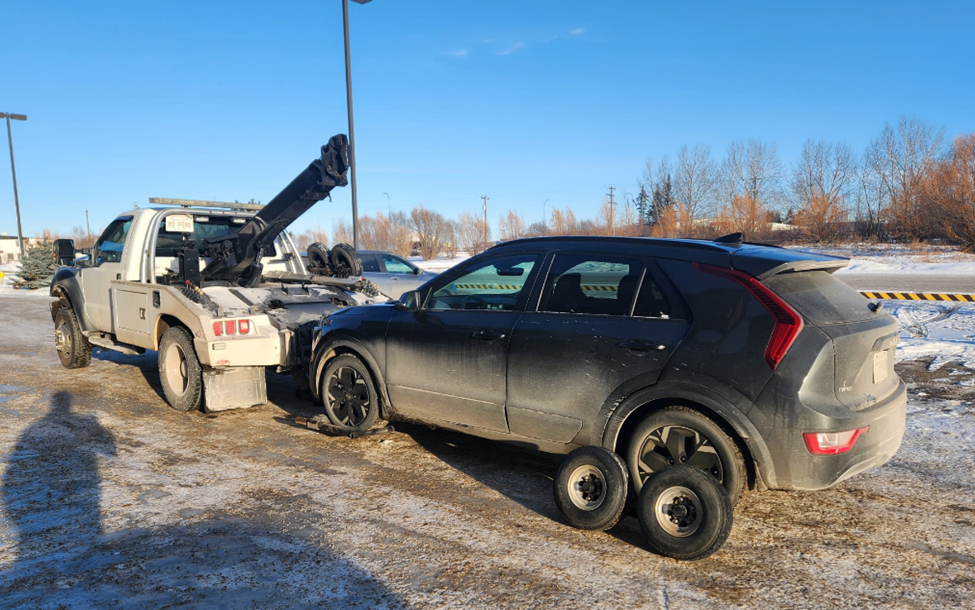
(13, 170)
(348, 93)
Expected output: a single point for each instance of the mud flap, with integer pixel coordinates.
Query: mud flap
(235, 388)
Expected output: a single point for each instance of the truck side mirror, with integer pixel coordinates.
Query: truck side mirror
(64, 252)
(409, 301)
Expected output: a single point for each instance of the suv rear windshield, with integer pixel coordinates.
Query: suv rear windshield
(820, 297)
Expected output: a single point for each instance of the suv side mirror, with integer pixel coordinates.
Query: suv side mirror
(64, 252)
(409, 301)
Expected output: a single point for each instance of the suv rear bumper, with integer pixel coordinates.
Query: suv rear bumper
(797, 468)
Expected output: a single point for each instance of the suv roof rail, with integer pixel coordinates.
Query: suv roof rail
(196, 203)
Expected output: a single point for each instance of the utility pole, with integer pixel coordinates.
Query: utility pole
(13, 170)
(485, 223)
(88, 225)
(612, 227)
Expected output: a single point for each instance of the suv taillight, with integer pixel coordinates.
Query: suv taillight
(788, 322)
(831, 443)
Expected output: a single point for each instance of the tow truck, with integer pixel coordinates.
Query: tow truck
(219, 290)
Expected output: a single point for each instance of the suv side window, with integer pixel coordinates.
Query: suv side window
(591, 284)
(651, 302)
(493, 284)
(369, 262)
(395, 264)
(109, 247)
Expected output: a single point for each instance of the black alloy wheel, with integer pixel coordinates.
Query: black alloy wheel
(348, 394)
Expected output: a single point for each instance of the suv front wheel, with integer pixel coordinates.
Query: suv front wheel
(681, 436)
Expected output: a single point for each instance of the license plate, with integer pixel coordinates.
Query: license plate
(179, 224)
(879, 366)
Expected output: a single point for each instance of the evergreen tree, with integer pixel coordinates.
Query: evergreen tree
(37, 268)
(643, 207)
(663, 198)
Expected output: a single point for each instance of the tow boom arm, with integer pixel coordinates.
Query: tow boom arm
(236, 257)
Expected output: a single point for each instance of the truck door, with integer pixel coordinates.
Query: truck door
(106, 265)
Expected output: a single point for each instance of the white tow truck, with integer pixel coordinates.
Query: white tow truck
(219, 290)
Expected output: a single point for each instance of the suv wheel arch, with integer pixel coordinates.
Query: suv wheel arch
(346, 345)
(624, 419)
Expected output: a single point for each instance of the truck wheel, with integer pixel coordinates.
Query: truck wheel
(349, 394)
(591, 487)
(73, 348)
(346, 261)
(678, 435)
(319, 259)
(180, 371)
(684, 513)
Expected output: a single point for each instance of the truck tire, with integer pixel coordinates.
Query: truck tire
(319, 259)
(180, 371)
(349, 394)
(684, 513)
(74, 351)
(590, 488)
(699, 443)
(345, 261)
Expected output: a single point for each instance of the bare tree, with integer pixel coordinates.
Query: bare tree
(470, 233)
(400, 234)
(429, 230)
(449, 239)
(949, 191)
(313, 235)
(342, 231)
(563, 223)
(511, 226)
(899, 159)
(823, 182)
(747, 215)
(752, 169)
(375, 233)
(695, 182)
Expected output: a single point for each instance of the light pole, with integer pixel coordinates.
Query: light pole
(544, 222)
(13, 170)
(389, 205)
(348, 94)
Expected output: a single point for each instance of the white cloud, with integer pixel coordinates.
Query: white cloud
(577, 31)
(511, 49)
(459, 53)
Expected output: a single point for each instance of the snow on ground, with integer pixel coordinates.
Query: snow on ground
(9, 271)
(899, 259)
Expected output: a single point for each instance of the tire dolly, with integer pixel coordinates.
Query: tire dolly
(684, 512)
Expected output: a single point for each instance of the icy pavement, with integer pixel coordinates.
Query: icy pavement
(110, 499)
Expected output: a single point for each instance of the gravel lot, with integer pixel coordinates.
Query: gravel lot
(112, 499)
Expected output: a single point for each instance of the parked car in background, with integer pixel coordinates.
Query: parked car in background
(392, 274)
(752, 363)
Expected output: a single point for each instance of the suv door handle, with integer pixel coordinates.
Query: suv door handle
(640, 348)
(488, 335)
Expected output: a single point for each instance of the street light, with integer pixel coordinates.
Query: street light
(544, 222)
(13, 170)
(389, 204)
(348, 93)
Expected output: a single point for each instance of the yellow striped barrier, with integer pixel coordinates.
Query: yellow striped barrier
(920, 296)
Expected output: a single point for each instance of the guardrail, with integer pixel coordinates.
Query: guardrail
(919, 296)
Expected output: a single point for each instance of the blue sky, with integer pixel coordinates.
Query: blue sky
(522, 101)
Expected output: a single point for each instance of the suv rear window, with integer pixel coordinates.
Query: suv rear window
(820, 297)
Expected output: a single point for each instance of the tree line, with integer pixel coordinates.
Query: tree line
(908, 184)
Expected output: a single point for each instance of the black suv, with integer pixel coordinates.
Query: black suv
(751, 362)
